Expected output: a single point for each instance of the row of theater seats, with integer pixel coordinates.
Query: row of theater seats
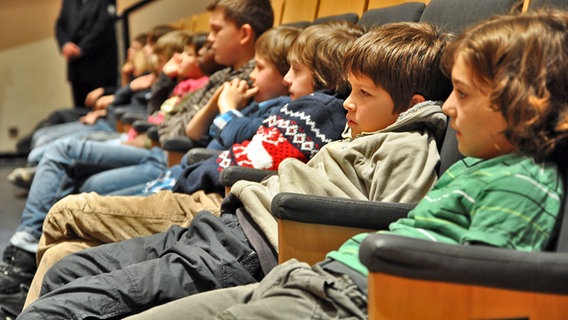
(450, 15)
(304, 12)
(414, 279)
(299, 11)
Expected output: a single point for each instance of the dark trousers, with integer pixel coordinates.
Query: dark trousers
(122, 278)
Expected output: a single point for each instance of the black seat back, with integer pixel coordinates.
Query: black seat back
(410, 11)
(349, 17)
(449, 152)
(560, 243)
(537, 4)
(455, 15)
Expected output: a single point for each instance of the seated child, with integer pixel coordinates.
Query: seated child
(389, 108)
(509, 108)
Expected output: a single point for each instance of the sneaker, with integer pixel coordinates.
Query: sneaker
(17, 267)
(11, 304)
(6, 315)
(22, 177)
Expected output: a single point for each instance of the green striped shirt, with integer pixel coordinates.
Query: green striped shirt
(509, 202)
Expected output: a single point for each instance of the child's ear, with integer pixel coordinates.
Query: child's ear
(416, 99)
(247, 34)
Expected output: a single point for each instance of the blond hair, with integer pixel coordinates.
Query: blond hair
(322, 48)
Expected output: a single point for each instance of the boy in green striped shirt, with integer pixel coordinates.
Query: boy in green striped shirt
(509, 201)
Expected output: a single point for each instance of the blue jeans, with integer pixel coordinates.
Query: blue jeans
(71, 166)
(44, 138)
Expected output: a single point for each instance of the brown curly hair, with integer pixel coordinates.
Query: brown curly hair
(524, 60)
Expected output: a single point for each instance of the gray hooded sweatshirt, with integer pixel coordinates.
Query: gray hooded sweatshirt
(395, 164)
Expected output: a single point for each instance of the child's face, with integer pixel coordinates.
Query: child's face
(135, 47)
(369, 107)
(148, 48)
(268, 79)
(159, 60)
(224, 36)
(206, 59)
(188, 67)
(299, 80)
(478, 127)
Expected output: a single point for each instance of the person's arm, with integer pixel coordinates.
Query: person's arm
(229, 100)
(143, 82)
(201, 121)
(235, 95)
(61, 32)
(124, 94)
(126, 73)
(92, 117)
(93, 96)
(104, 101)
(161, 90)
(240, 128)
(230, 96)
(67, 47)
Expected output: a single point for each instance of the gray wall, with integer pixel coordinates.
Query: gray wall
(32, 73)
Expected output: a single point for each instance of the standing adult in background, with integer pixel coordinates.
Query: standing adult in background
(86, 36)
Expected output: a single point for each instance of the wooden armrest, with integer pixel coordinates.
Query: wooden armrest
(435, 281)
(391, 297)
(466, 264)
(311, 226)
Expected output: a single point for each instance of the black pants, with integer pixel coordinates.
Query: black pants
(118, 279)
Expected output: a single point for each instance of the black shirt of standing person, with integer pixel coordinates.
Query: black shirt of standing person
(85, 32)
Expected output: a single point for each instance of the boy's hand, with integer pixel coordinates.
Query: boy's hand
(93, 96)
(70, 51)
(235, 95)
(170, 69)
(142, 82)
(92, 117)
(104, 101)
(127, 68)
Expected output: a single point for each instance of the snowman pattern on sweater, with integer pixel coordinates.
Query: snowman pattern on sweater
(298, 131)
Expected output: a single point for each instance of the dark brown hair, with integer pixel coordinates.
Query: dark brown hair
(256, 13)
(403, 59)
